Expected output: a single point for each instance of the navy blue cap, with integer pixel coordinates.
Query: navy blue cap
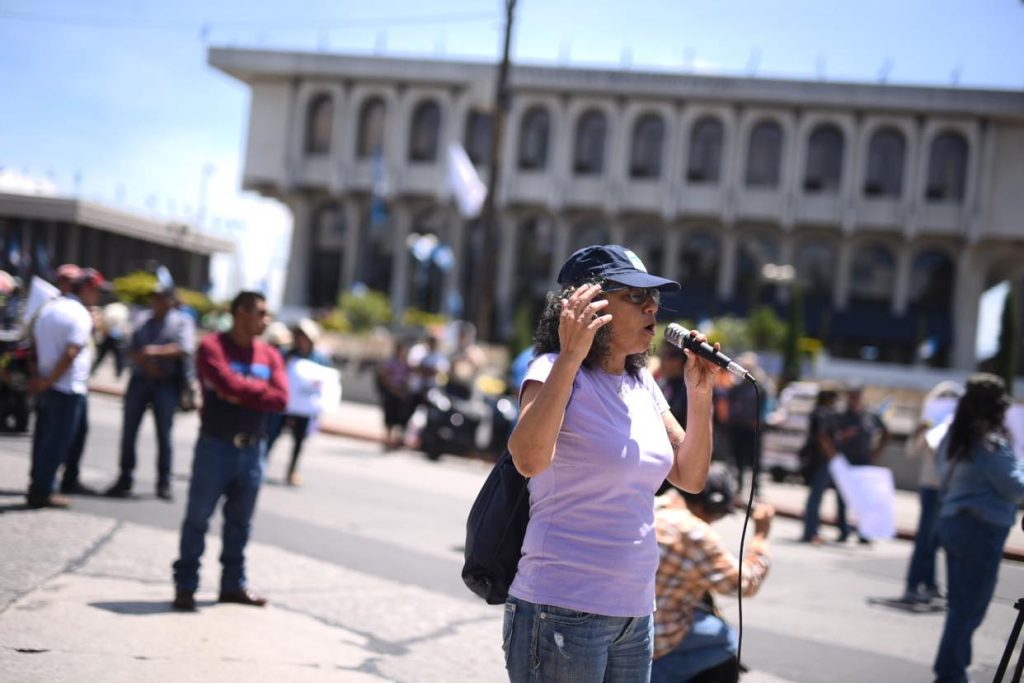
(611, 262)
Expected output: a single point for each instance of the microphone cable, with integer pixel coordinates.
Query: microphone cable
(754, 471)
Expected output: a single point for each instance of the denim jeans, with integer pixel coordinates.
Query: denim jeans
(921, 572)
(73, 464)
(974, 550)
(219, 469)
(821, 480)
(556, 645)
(58, 421)
(709, 642)
(141, 394)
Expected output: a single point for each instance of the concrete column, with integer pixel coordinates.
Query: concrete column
(970, 284)
(787, 249)
(505, 307)
(841, 290)
(401, 219)
(563, 229)
(727, 264)
(919, 179)
(978, 166)
(353, 231)
(904, 268)
(670, 260)
(296, 284)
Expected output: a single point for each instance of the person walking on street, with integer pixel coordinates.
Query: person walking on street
(162, 341)
(860, 436)
(61, 335)
(243, 382)
(818, 449)
(982, 486)
(691, 640)
(597, 439)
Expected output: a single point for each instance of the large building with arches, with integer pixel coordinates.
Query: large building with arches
(898, 206)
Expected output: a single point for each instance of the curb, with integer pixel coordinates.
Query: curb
(1009, 552)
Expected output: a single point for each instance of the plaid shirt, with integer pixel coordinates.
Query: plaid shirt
(695, 563)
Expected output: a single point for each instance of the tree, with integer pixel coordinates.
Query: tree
(794, 331)
(1005, 361)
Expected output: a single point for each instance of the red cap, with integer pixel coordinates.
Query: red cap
(90, 277)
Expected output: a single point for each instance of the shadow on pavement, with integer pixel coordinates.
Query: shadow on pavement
(908, 607)
(145, 607)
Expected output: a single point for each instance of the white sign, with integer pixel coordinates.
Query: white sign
(1015, 423)
(39, 292)
(869, 492)
(311, 387)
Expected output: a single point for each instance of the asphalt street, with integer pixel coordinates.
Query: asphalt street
(380, 535)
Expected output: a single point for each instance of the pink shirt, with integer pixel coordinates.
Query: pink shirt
(590, 545)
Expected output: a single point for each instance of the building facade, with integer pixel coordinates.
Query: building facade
(38, 233)
(897, 206)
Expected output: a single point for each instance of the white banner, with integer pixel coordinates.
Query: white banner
(869, 493)
(311, 388)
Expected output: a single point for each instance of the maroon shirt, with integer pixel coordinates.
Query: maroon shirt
(241, 386)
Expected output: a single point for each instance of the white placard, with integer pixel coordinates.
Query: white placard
(1015, 423)
(311, 387)
(938, 410)
(869, 493)
(39, 292)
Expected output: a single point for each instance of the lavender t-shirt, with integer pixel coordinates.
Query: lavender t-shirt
(590, 544)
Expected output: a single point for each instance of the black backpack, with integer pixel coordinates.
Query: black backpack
(495, 531)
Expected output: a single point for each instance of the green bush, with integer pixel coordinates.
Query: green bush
(766, 330)
(135, 288)
(365, 310)
(197, 300)
(414, 317)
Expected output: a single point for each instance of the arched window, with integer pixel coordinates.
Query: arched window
(326, 247)
(425, 131)
(764, 157)
(705, 163)
(815, 264)
(371, 127)
(533, 139)
(886, 152)
(699, 257)
(755, 251)
(824, 160)
(645, 153)
(478, 137)
(375, 248)
(872, 275)
(931, 280)
(588, 156)
(947, 168)
(426, 262)
(319, 123)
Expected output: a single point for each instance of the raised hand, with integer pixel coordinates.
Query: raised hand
(580, 321)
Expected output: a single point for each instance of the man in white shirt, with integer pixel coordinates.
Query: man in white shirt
(63, 361)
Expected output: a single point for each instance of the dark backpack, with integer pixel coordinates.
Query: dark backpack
(495, 531)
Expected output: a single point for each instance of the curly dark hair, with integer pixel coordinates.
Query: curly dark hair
(979, 413)
(545, 338)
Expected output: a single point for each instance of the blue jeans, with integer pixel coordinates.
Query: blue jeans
(557, 645)
(974, 550)
(58, 421)
(72, 466)
(709, 642)
(921, 572)
(821, 480)
(219, 469)
(141, 394)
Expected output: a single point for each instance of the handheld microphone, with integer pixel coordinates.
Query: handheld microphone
(679, 336)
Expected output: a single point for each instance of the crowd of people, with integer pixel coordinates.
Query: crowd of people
(620, 563)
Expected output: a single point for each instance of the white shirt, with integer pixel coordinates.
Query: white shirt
(64, 322)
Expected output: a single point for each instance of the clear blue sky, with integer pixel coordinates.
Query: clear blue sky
(119, 90)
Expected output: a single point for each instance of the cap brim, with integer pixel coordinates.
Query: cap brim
(638, 279)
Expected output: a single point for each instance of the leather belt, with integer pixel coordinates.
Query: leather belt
(239, 440)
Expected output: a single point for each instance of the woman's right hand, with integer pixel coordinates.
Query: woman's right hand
(579, 321)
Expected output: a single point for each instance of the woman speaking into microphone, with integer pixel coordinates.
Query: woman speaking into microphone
(597, 439)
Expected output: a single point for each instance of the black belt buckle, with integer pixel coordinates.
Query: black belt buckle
(244, 440)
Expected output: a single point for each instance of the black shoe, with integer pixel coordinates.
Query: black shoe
(49, 501)
(184, 601)
(243, 597)
(78, 489)
(119, 490)
(163, 492)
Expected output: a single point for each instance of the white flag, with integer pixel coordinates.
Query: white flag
(466, 185)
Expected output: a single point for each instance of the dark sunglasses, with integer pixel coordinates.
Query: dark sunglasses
(636, 295)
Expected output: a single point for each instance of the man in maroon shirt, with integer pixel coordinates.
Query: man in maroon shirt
(243, 382)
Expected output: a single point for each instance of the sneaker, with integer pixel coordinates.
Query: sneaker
(918, 596)
(163, 492)
(52, 500)
(119, 490)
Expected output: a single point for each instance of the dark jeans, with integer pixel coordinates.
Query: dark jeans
(821, 480)
(974, 550)
(219, 469)
(746, 452)
(921, 572)
(298, 425)
(58, 423)
(73, 464)
(110, 345)
(141, 394)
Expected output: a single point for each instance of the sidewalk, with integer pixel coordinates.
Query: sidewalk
(366, 422)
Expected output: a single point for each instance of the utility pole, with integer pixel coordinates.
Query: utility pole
(485, 266)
